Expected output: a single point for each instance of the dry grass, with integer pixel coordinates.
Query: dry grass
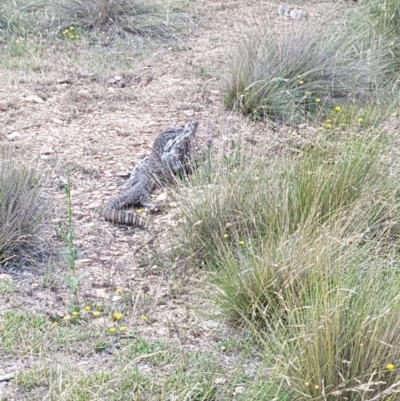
(148, 18)
(23, 209)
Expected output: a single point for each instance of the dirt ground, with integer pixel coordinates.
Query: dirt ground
(97, 129)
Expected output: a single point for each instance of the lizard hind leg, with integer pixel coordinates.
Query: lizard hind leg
(146, 202)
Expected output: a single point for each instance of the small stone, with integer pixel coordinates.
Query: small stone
(13, 136)
(220, 380)
(46, 150)
(189, 113)
(162, 197)
(34, 286)
(116, 298)
(117, 78)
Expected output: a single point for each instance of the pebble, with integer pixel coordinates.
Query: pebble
(13, 136)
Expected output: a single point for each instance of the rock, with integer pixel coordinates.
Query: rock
(13, 136)
(162, 197)
(189, 113)
(46, 150)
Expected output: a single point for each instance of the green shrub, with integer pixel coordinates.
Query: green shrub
(23, 208)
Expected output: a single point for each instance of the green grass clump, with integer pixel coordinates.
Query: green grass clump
(23, 209)
(22, 17)
(306, 71)
(148, 18)
(305, 253)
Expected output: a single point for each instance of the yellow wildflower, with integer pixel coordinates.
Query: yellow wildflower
(338, 108)
(389, 366)
(301, 82)
(241, 242)
(71, 28)
(139, 211)
(72, 36)
(307, 93)
(96, 313)
(329, 126)
(55, 324)
(316, 387)
(17, 41)
(118, 290)
(67, 317)
(320, 129)
(360, 120)
(117, 316)
(361, 345)
(299, 77)
(75, 313)
(87, 307)
(143, 317)
(294, 132)
(317, 100)
(122, 328)
(226, 235)
(307, 383)
(328, 120)
(112, 329)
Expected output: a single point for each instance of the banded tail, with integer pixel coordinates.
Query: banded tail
(113, 215)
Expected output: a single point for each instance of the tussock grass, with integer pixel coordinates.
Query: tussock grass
(305, 253)
(139, 17)
(23, 208)
(304, 72)
(22, 17)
